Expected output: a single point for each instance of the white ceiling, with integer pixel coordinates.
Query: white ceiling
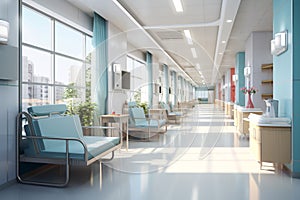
(156, 26)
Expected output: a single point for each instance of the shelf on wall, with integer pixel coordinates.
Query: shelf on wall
(267, 66)
(267, 81)
(267, 96)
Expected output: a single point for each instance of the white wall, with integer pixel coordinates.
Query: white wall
(227, 86)
(135, 52)
(117, 52)
(68, 11)
(155, 68)
(257, 52)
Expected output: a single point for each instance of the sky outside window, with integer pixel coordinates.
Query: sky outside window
(36, 29)
(69, 41)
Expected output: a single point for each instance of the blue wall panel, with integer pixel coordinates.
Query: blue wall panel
(296, 87)
(282, 72)
(239, 70)
(287, 72)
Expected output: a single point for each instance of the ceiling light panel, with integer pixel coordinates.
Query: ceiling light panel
(194, 53)
(188, 36)
(178, 5)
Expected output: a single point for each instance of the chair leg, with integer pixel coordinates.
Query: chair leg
(67, 179)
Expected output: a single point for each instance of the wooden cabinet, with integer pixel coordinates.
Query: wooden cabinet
(271, 142)
(243, 113)
(229, 109)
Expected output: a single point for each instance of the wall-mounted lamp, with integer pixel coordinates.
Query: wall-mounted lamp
(235, 78)
(279, 43)
(247, 71)
(4, 28)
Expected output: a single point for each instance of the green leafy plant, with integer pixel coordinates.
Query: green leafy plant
(86, 111)
(144, 105)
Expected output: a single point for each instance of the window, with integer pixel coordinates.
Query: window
(138, 79)
(56, 60)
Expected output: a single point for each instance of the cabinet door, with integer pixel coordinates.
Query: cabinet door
(276, 145)
(255, 143)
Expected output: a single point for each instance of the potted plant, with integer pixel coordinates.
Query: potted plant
(85, 109)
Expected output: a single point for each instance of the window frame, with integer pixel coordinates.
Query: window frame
(85, 64)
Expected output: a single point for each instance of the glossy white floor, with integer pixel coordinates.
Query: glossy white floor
(202, 158)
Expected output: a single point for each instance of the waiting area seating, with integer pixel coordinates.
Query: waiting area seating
(139, 124)
(202, 100)
(171, 114)
(46, 135)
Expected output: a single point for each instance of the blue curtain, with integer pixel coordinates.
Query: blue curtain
(179, 91)
(183, 89)
(174, 92)
(101, 73)
(166, 74)
(150, 78)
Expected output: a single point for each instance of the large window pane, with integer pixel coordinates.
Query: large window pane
(69, 41)
(69, 72)
(51, 75)
(37, 66)
(69, 95)
(36, 95)
(36, 29)
(89, 49)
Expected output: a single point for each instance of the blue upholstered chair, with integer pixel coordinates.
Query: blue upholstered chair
(140, 123)
(171, 115)
(52, 137)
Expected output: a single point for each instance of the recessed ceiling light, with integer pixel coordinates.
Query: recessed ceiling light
(223, 42)
(220, 53)
(188, 36)
(229, 20)
(178, 5)
(193, 50)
